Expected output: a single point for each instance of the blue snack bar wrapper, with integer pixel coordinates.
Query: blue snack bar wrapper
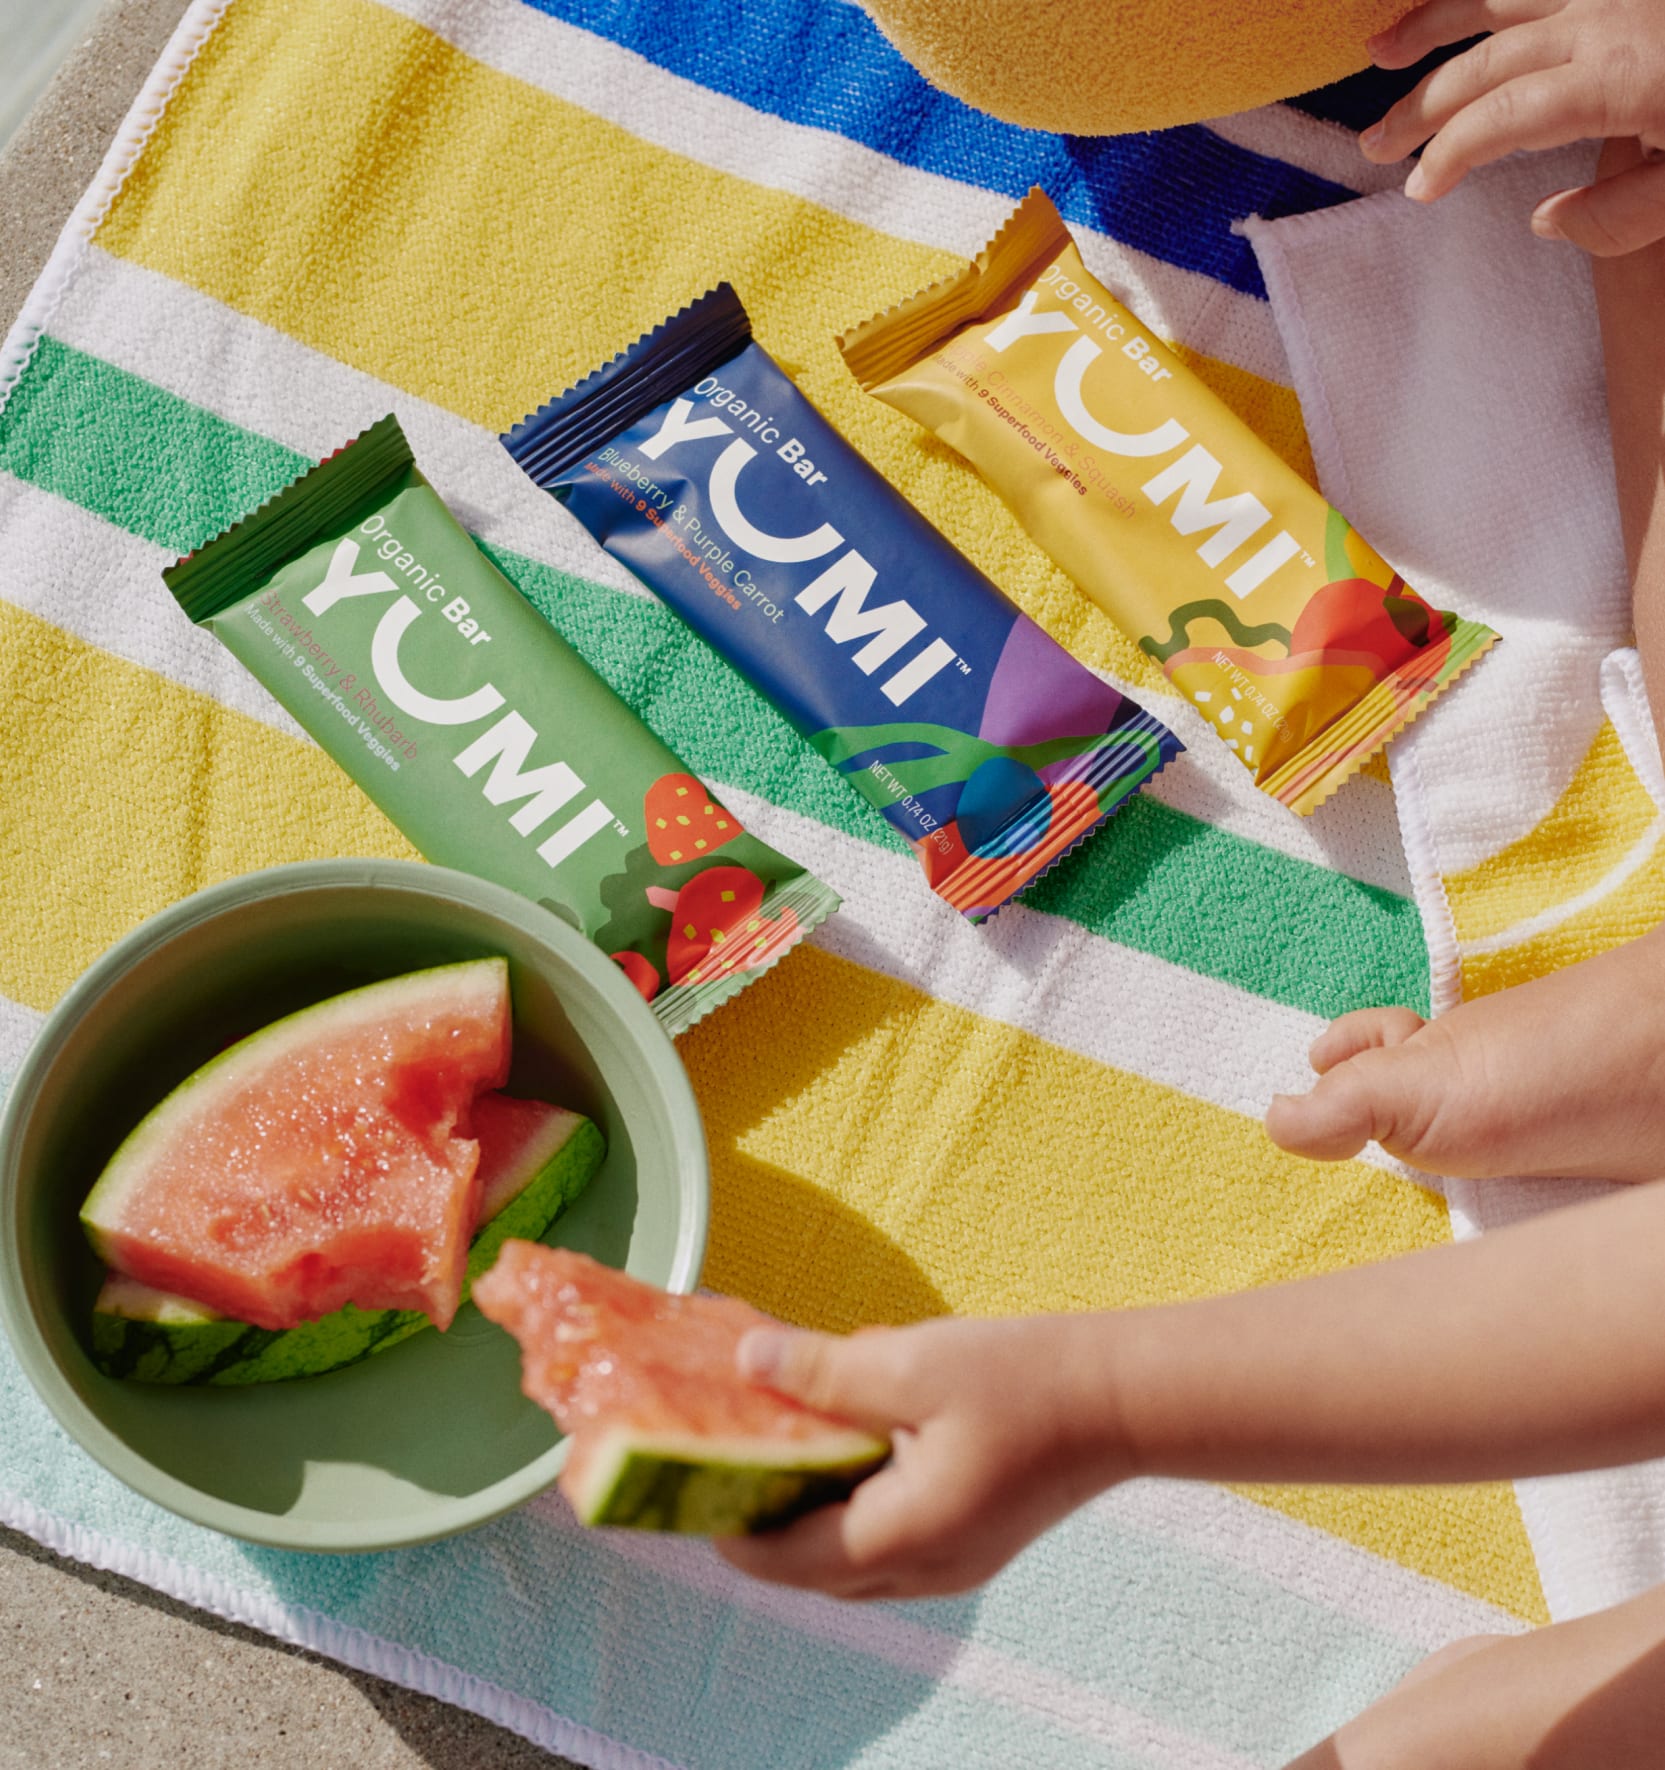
(695, 460)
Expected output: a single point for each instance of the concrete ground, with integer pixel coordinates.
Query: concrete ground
(94, 1669)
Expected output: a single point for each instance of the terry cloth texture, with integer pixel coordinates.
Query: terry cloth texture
(1450, 367)
(325, 209)
(1144, 65)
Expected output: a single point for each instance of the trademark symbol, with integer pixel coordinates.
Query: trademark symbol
(622, 829)
(962, 666)
(1307, 559)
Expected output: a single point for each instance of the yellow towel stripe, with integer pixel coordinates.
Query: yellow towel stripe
(1590, 836)
(1018, 1175)
(1623, 915)
(994, 1173)
(125, 793)
(1591, 830)
(1069, 1184)
(488, 299)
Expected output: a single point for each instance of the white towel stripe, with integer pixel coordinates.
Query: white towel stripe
(1299, 1558)
(104, 585)
(1049, 977)
(18, 1026)
(1328, 150)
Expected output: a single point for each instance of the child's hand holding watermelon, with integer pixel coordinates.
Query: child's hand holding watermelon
(999, 1429)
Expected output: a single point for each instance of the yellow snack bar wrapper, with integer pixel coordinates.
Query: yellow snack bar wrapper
(1293, 637)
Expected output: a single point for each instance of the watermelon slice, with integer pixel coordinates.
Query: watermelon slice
(318, 1162)
(534, 1162)
(665, 1435)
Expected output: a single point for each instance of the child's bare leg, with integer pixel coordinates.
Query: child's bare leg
(1585, 1695)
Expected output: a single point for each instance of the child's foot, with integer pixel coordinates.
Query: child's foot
(1563, 1075)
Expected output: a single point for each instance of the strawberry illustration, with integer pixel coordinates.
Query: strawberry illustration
(684, 821)
(717, 927)
(640, 971)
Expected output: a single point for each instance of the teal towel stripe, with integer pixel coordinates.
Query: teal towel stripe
(534, 1606)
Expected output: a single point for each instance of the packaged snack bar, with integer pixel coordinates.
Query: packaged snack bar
(695, 460)
(358, 599)
(1302, 647)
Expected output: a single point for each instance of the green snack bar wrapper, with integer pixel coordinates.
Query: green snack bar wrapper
(357, 598)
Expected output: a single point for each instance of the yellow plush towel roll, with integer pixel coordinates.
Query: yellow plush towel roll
(1116, 65)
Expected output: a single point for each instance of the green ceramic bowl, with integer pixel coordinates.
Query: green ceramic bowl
(432, 1436)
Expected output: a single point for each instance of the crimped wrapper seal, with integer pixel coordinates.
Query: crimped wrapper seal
(696, 460)
(1302, 647)
(368, 611)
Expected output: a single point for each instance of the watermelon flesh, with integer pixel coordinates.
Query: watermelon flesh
(517, 1138)
(664, 1432)
(319, 1162)
(535, 1161)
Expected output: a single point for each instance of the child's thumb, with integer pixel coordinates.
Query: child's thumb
(1388, 1095)
(848, 1378)
(1611, 217)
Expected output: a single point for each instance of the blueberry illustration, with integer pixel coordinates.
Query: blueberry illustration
(997, 792)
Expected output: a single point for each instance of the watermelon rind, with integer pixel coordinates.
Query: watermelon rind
(241, 1063)
(148, 1336)
(700, 1485)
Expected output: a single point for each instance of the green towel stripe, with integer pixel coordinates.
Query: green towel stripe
(133, 453)
(1156, 880)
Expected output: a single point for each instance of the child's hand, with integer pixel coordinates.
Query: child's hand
(1561, 1075)
(991, 1422)
(1552, 72)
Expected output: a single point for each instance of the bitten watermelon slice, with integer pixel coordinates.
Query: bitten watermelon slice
(665, 1435)
(318, 1162)
(534, 1162)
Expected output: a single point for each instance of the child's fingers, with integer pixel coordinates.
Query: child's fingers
(1611, 217)
(1541, 110)
(859, 1379)
(897, 1536)
(1385, 1096)
(1440, 22)
(1561, 1075)
(1460, 82)
(1365, 1029)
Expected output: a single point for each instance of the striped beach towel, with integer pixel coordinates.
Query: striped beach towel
(321, 210)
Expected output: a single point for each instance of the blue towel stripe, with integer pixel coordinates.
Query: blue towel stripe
(822, 64)
(1360, 99)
